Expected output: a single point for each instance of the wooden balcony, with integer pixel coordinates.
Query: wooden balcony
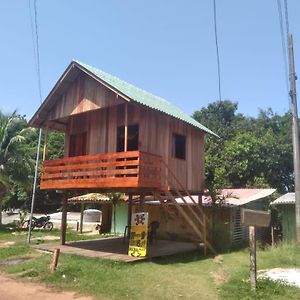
(109, 172)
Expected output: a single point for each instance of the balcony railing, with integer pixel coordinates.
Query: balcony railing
(112, 171)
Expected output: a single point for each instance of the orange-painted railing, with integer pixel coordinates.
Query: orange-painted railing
(132, 169)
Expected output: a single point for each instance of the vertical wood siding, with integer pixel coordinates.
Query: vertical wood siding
(85, 94)
(94, 109)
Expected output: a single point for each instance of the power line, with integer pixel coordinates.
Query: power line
(217, 49)
(287, 26)
(283, 45)
(36, 50)
(32, 34)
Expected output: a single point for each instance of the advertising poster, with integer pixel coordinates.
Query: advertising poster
(138, 235)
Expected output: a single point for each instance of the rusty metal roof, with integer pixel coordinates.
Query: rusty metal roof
(226, 197)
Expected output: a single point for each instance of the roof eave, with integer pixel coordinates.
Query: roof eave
(35, 117)
(35, 121)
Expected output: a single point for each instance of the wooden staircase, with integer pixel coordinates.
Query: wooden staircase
(200, 221)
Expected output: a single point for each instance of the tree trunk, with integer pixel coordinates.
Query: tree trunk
(2, 193)
(0, 212)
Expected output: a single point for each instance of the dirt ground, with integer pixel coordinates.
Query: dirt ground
(11, 289)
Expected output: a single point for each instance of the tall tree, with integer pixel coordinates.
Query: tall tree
(15, 164)
(251, 152)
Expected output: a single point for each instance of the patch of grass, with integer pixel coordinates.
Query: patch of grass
(182, 276)
(9, 232)
(283, 255)
(6, 232)
(16, 251)
(238, 286)
(30, 274)
(173, 278)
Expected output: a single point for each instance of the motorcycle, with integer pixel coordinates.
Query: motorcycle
(42, 222)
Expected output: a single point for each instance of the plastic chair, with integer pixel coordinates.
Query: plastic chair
(152, 230)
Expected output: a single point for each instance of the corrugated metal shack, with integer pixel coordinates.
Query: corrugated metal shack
(224, 227)
(286, 206)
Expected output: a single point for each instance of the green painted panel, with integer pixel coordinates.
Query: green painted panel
(221, 228)
(257, 205)
(121, 218)
(288, 222)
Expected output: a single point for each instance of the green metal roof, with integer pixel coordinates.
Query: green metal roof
(143, 97)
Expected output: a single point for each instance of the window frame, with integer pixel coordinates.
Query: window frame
(175, 144)
(122, 127)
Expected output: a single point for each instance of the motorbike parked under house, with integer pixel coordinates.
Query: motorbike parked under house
(41, 223)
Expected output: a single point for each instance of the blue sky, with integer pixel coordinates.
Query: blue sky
(165, 47)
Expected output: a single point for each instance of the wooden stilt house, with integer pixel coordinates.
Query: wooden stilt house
(119, 138)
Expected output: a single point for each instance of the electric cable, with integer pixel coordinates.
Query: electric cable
(284, 46)
(35, 38)
(217, 49)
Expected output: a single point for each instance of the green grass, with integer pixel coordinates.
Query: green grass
(171, 278)
(11, 233)
(184, 276)
(238, 285)
(16, 251)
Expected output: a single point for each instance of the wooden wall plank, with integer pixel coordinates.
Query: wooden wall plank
(92, 108)
(85, 94)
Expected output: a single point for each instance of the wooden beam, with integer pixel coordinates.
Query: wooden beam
(81, 216)
(204, 236)
(190, 222)
(190, 208)
(54, 259)
(170, 172)
(126, 128)
(63, 220)
(142, 201)
(46, 141)
(252, 240)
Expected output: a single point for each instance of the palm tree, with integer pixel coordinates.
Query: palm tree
(14, 164)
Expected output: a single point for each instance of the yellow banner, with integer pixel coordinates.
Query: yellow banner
(138, 235)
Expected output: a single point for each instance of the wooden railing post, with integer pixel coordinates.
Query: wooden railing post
(45, 142)
(131, 169)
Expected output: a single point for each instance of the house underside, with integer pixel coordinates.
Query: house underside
(116, 249)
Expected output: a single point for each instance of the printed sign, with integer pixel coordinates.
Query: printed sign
(138, 235)
(255, 218)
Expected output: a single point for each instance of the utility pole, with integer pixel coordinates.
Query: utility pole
(34, 185)
(295, 130)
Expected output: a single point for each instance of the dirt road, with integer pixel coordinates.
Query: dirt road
(11, 289)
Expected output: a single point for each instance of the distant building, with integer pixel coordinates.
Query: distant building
(286, 207)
